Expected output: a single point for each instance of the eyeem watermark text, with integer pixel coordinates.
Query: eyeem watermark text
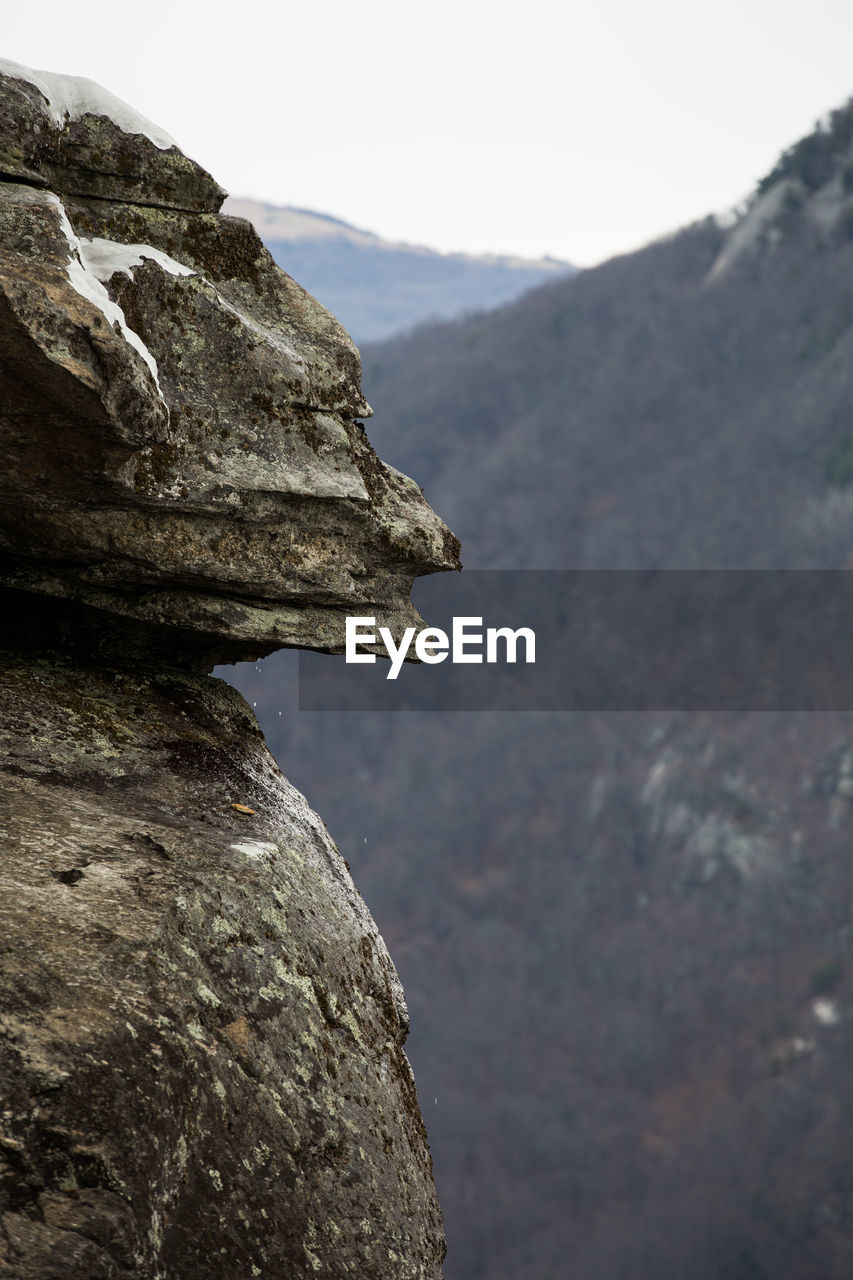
(432, 645)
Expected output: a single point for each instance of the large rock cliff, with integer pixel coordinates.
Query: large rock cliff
(201, 1032)
(180, 419)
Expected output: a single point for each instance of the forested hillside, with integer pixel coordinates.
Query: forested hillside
(645, 414)
(626, 938)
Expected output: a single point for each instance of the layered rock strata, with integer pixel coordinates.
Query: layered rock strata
(201, 1033)
(180, 420)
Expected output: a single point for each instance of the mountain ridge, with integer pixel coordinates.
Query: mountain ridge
(379, 287)
(626, 939)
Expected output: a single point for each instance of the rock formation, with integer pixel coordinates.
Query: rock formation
(180, 418)
(201, 1032)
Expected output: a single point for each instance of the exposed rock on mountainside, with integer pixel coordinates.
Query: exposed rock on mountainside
(201, 1031)
(178, 409)
(809, 191)
(201, 1056)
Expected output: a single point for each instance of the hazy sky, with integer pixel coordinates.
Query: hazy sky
(575, 129)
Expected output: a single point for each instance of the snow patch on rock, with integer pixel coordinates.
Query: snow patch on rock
(90, 287)
(103, 258)
(73, 97)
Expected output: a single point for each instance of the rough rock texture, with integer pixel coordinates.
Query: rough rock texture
(179, 419)
(201, 1033)
(201, 1055)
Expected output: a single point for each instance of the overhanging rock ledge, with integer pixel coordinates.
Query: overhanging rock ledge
(180, 420)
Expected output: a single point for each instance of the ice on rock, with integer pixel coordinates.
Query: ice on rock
(76, 96)
(89, 286)
(105, 257)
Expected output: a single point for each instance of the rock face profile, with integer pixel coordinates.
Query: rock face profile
(201, 1031)
(180, 419)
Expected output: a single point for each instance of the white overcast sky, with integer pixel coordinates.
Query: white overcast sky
(576, 129)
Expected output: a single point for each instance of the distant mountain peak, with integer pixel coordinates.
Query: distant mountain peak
(284, 222)
(380, 287)
(287, 222)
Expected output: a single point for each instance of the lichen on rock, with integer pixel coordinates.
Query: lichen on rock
(182, 434)
(201, 1031)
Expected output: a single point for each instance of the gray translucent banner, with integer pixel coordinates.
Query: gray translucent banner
(665, 640)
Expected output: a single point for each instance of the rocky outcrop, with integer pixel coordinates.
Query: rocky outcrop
(180, 419)
(201, 1032)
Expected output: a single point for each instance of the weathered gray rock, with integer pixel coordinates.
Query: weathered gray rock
(180, 419)
(201, 1051)
(201, 1033)
(69, 134)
